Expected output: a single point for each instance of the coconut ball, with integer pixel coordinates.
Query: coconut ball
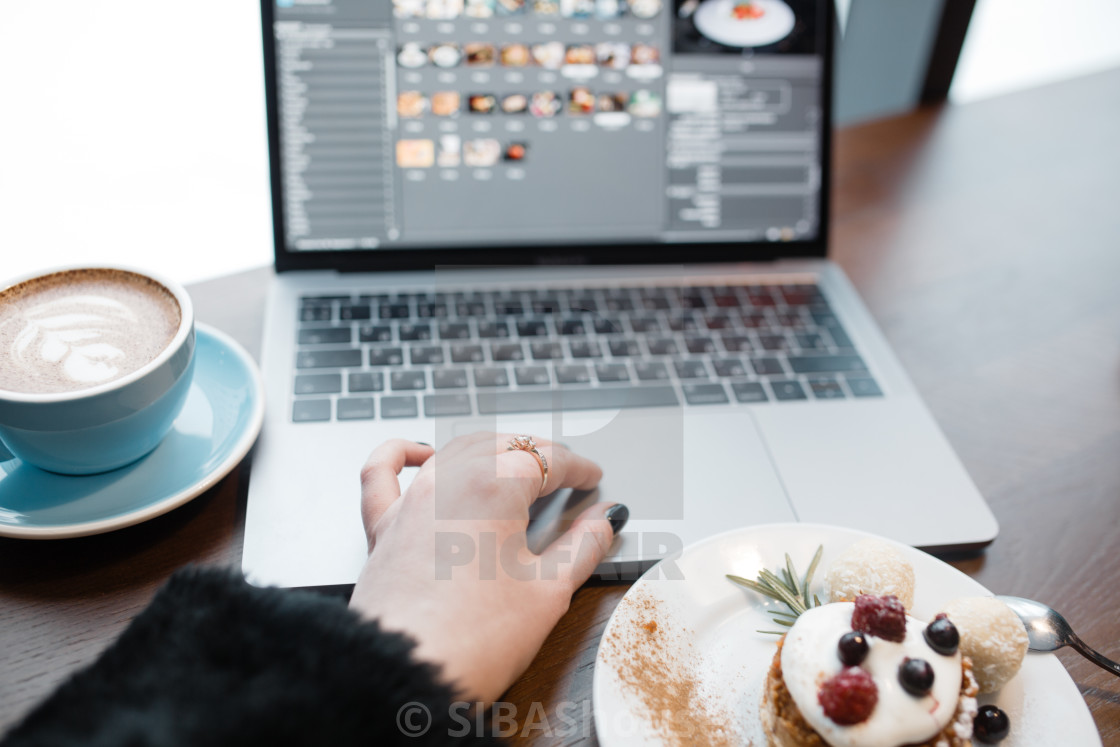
(992, 636)
(870, 566)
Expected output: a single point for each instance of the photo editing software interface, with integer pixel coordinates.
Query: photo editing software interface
(469, 123)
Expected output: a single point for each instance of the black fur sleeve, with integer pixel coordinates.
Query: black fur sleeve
(215, 661)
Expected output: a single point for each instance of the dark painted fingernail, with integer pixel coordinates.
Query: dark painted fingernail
(424, 444)
(618, 515)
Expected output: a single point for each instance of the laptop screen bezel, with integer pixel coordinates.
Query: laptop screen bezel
(614, 253)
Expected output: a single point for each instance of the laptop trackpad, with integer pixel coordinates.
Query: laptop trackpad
(684, 474)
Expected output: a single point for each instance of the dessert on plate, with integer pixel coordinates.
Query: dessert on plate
(859, 671)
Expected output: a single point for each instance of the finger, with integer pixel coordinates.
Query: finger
(380, 477)
(578, 552)
(565, 468)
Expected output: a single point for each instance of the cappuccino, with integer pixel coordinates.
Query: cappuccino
(76, 329)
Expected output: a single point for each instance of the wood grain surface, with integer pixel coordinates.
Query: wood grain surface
(984, 238)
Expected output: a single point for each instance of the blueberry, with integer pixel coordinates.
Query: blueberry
(916, 676)
(991, 725)
(852, 648)
(942, 635)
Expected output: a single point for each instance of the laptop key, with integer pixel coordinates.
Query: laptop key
(786, 390)
(354, 312)
(341, 358)
(375, 333)
(704, 394)
(429, 310)
(324, 335)
(662, 346)
(767, 366)
(426, 355)
(311, 410)
(729, 367)
(809, 341)
(394, 311)
(487, 377)
(407, 380)
(690, 369)
(700, 345)
(572, 327)
(811, 364)
(749, 391)
(573, 373)
(315, 314)
(467, 354)
(355, 408)
(454, 331)
(532, 376)
(679, 323)
(444, 405)
(584, 304)
(551, 400)
(412, 332)
(604, 326)
(506, 307)
(864, 386)
(386, 357)
(318, 384)
(399, 407)
(532, 328)
(773, 342)
(645, 324)
(717, 321)
(365, 381)
(585, 349)
(840, 337)
(507, 351)
(618, 303)
(608, 372)
(550, 350)
(736, 343)
(450, 378)
(651, 370)
(489, 330)
(624, 348)
(826, 388)
(470, 308)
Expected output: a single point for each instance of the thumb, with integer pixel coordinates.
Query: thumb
(579, 550)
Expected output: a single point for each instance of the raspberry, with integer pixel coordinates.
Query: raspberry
(849, 697)
(884, 617)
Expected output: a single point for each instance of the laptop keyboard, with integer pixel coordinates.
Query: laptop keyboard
(410, 355)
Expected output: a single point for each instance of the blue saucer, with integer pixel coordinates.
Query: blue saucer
(217, 427)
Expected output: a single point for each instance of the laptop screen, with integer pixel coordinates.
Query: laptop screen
(468, 125)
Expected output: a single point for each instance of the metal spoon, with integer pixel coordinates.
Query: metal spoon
(1049, 631)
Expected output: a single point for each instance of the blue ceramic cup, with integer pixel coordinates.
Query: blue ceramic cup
(114, 408)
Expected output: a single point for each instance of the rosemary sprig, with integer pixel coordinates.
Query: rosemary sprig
(785, 587)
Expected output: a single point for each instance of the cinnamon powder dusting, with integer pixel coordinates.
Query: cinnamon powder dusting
(656, 662)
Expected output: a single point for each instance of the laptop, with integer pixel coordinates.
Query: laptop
(602, 222)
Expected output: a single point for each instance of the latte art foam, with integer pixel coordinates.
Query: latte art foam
(77, 329)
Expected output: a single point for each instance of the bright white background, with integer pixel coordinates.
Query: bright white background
(134, 131)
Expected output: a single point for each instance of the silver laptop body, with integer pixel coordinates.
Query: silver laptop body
(714, 394)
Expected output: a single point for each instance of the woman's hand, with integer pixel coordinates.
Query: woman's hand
(449, 564)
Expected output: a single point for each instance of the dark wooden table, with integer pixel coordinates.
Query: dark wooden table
(985, 239)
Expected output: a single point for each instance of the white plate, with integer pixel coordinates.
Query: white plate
(715, 19)
(217, 427)
(712, 624)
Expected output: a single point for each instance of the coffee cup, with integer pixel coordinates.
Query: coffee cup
(95, 365)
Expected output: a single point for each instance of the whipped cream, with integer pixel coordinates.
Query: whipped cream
(809, 657)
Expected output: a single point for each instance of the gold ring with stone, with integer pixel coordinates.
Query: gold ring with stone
(526, 443)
